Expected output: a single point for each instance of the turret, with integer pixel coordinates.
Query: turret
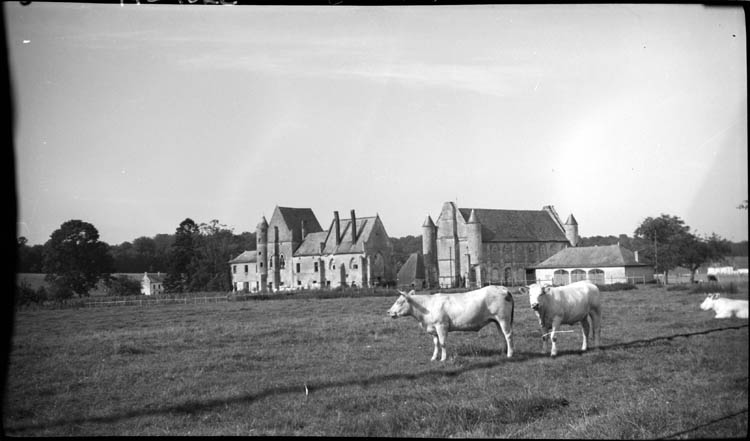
(571, 230)
(261, 232)
(474, 242)
(429, 250)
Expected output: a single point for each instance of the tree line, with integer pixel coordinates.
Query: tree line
(195, 257)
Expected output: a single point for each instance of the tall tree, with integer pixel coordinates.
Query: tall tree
(75, 260)
(182, 254)
(667, 234)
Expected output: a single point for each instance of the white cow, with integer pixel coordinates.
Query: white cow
(440, 313)
(566, 305)
(725, 308)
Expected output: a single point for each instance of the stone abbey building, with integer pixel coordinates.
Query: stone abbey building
(475, 247)
(294, 252)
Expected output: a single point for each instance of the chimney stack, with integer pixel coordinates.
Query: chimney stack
(635, 254)
(337, 225)
(354, 228)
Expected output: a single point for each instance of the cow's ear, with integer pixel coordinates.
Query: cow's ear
(411, 293)
(545, 289)
(523, 290)
(401, 292)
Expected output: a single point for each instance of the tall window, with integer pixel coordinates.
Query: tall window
(282, 263)
(316, 266)
(298, 267)
(245, 269)
(234, 269)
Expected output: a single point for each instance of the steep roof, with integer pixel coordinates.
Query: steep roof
(293, 218)
(412, 269)
(311, 244)
(603, 256)
(515, 225)
(245, 257)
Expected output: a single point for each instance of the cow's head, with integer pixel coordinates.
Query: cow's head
(402, 306)
(535, 291)
(708, 303)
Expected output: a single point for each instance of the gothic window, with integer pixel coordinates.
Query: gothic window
(298, 267)
(282, 262)
(332, 264)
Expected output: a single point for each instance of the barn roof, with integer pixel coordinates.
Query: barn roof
(245, 257)
(156, 277)
(603, 256)
(411, 270)
(516, 225)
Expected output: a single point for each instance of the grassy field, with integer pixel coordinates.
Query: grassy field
(341, 367)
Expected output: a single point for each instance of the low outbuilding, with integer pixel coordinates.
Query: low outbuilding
(598, 264)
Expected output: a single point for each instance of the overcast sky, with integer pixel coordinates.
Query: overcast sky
(136, 117)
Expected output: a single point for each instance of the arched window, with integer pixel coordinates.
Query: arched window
(495, 275)
(560, 277)
(507, 275)
(332, 264)
(577, 274)
(596, 276)
(282, 262)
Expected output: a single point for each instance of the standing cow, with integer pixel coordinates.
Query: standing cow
(566, 305)
(725, 308)
(439, 313)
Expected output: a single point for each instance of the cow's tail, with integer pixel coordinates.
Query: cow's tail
(509, 297)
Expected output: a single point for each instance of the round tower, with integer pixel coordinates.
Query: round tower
(429, 251)
(261, 232)
(571, 230)
(474, 242)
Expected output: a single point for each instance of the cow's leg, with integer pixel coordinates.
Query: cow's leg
(505, 329)
(545, 337)
(585, 328)
(436, 342)
(555, 326)
(442, 333)
(596, 325)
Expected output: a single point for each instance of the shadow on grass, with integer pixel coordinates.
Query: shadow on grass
(192, 407)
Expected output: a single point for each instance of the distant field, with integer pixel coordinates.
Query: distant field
(341, 367)
(36, 280)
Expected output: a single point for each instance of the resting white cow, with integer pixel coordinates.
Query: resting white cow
(566, 305)
(439, 313)
(725, 308)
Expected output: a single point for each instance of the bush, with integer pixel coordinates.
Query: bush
(26, 295)
(678, 287)
(713, 287)
(619, 286)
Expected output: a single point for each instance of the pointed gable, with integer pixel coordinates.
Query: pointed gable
(515, 225)
(291, 221)
(412, 269)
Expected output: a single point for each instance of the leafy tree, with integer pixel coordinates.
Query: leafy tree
(668, 235)
(743, 205)
(123, 286)
(181, 257)
(29, 258)
(26, 295)
(695, 251)
(75, 260)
